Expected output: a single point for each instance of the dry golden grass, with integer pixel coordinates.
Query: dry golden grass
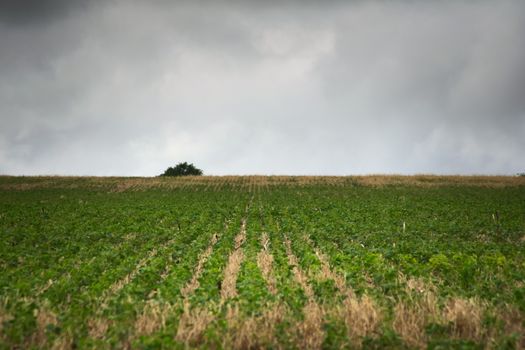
(97, 327)
(64, 342)
(362, 317)
(409, 323)
(152, 318)
(192, 324)
(120, 184)
(194, 321)
(253, 332)
(44, 317)
(5, 316)
(45, 287)
(465, 316)
(242, 330)
(438, 180)
(411, 316)
(514, 323)
(154, 314)
(198, 318)
(299, 275)
(309, 331)
(265, 264)
(231, 271)
(228, 286)
(416, 285)
(327, 273)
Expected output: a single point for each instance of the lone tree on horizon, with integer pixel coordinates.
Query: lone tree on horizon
(182, 169)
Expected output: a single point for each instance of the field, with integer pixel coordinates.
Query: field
(262, 262)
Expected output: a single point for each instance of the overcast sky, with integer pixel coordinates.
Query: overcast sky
(262, 87)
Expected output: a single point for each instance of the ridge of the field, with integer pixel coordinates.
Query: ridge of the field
(250, 262)
(122, 183)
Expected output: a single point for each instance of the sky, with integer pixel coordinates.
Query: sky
(128, 87)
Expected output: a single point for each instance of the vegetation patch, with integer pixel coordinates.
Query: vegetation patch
(262, 262)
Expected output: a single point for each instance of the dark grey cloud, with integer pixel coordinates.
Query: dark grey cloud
(36, 12)
(129, 87)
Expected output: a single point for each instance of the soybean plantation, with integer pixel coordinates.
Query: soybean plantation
(262, 262)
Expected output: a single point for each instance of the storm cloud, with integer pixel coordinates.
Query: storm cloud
(262, 87)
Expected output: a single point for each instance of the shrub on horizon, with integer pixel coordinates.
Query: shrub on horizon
(182, 169)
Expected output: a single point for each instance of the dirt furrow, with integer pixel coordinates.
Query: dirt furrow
(154, 314)
(117, 286)
(193, 284)
(98, 325)
(362, 316)
(328, 273)
(300, 276)
(265, 264)
(231, 272)
(193, 322)
(309, 331)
